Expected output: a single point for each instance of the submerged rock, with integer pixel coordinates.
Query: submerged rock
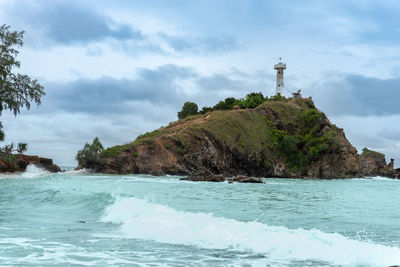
(205, 178)
(222, 178)
(245, 179)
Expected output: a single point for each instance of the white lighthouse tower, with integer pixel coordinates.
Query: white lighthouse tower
(279, 76)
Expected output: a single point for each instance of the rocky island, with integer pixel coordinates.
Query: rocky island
(282, 137)
(238, 139)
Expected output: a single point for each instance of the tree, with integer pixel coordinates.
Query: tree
(8, 149)
(89, 155)
(16, 90)
(230, 102)
(22, 147)
(189, 108)
(221, 105)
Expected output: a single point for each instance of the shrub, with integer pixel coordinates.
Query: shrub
(221, 105)
(277, 97)
(181, 150)
(312, 117)
(252, 100)
(289, 144)
(230, 102)
(227, 104)
(148, 134)
(206, 109)
(111, 152)
(309, 103)
(166, 145)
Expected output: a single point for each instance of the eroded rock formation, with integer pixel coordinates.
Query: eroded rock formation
(19, 162)
(373, 163)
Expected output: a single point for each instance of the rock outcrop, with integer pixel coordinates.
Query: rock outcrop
(373, 163)
(285, 138)
(222, 178)
(19, 162)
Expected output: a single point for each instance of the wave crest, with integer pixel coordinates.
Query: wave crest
(140, 219)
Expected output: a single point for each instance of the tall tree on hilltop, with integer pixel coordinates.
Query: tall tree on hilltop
(189, 108)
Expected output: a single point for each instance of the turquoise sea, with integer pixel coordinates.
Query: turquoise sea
(80, 219)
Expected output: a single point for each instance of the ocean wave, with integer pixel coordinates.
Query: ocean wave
(382, 178)
(43, 253)
(155, 179)
(141, 219)
(78, 172)
(32, 171)
(377, 178)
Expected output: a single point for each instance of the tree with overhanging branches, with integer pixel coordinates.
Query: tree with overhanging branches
(17, 90)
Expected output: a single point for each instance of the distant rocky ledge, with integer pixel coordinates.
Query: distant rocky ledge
(19, 162)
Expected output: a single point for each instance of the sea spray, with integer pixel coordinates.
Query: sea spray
(33, 171)
(141, 219)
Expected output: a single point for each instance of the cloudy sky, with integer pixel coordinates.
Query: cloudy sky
(116, 69)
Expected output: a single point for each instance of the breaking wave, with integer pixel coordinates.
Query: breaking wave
(140, 219)
(32, 171)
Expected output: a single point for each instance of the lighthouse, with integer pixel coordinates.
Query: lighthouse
(279, 76)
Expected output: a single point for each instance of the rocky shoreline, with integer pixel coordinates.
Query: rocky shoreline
(19, 162)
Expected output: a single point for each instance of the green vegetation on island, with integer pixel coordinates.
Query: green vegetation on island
(251, 100)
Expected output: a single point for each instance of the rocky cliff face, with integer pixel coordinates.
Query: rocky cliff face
(19, 162)
(373, 163)
(286, 138)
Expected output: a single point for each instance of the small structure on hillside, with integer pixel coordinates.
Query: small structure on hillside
(297, 94)
(279, 76)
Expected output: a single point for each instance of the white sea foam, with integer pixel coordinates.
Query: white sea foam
(78, 172)
(55, 253)
(152, 179)
(141, 219)
(32, 171)
(376, 178)
(382, 178)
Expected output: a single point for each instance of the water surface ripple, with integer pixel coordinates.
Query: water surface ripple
(82, 219)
